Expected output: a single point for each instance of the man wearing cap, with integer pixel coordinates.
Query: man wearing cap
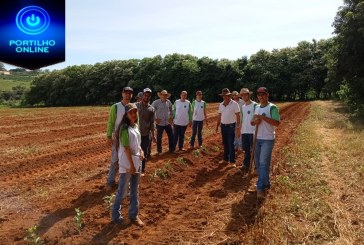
(146, 123)
(117, 112)
(139, 97)
(237, 98)
(266, 118)
(163, 119)
(199, 115)
(247, 130)
(229, 119)
(182, 116)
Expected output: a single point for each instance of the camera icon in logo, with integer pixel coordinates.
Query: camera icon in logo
(32, 20)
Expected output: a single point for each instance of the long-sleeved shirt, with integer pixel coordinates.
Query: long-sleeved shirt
(182, 112)
(163, 111)
(146, 118)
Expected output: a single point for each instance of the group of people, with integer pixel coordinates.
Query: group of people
(131, 129)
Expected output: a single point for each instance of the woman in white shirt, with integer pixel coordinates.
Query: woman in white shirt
(130, 157)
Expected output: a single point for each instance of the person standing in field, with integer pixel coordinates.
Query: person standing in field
(163, 119)
(198, 117)
(116, 114)
(229, 120)
(139, 97)
(182, 115)
(130, 156)
(237, 141)
(266, 118)
(247, 130)
(146, 123)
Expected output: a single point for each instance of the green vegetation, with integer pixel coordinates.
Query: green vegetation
(78, 218)
(7, 84)
(32, 237)
(109, 201)
(181, 161)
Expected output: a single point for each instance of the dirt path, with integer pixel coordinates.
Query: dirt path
(202, 201)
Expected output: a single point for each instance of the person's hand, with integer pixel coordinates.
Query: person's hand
(258, 117)
(142, 155)
(154, 139)
(109, 142)
(157, 121)
(171, 121)
(257, 121)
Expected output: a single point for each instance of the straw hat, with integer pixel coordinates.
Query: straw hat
(235, 93)
(225, 91)
(245, 91)
(164, 92)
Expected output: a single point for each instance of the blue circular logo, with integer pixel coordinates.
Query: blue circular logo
(32, 20)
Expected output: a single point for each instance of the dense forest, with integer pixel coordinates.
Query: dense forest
(311, 70)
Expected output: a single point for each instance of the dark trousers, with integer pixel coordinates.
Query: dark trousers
(179, 135)
(169, 132)
(228, 136)
(247, 141)
(145, 147)
(196, 129)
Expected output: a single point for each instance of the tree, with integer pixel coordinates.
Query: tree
(349, 27)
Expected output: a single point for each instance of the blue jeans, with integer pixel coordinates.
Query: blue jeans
(247, 142)
(145, 147)
(168, 129)
(124, 180)
(196, 129)
(262, 158)
(228, 137)
(179, 135)
(114, 164)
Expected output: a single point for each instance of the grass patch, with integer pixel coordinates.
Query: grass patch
(7, 85)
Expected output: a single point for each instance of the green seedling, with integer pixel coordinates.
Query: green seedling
(79, 219)
(216, 148)
(109, 200)
(168, 166)
(181, 161)
(32, 237)
(196, 152)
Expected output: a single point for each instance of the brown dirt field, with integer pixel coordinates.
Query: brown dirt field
(55, 160)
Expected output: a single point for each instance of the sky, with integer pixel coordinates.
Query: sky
(98, 31)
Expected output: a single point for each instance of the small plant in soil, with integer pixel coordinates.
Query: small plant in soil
(181, 161)
(79, 219)
(109, 200)
(168, 166)
(196, 152)
(32, 237)
(216, 148)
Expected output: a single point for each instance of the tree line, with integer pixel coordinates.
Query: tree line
(312, 70)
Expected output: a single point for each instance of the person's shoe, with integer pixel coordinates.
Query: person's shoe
(138, 221)
(232, 164)
(260, 195)
(223, 162)
(142, 174)
(182, 149)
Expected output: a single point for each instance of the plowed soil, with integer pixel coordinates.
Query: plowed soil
(55, 160)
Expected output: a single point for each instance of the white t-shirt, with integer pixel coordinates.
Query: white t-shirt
(247, 115)
(228, 113)
(134, 140)
(182, 112)
(198, 109)
(266, 131)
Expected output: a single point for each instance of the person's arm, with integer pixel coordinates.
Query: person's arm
(152, 127)
(218, 122)
(174, 110)
(170, 112)
(124, 140)
(205, 113)
(111, 123)
(237, 114)
(190, 113)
